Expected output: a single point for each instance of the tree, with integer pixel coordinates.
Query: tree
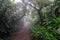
(6, 23)
(39, 5)
(48, 29)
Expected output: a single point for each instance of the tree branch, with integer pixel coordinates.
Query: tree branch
(33, 6)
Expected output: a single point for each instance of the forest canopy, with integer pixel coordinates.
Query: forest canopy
(42, 17)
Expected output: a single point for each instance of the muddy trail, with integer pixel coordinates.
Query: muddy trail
(23, 34)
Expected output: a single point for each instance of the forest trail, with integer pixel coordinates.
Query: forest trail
(23, 34)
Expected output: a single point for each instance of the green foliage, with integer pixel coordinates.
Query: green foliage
(46, 32)
(40, 3)
(6, 10)
(57, 2)
(50, 30)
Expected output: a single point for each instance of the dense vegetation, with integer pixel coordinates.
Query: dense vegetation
(48, 27)
(45, 18)
(6, 23)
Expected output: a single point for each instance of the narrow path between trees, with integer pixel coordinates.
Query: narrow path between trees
(23, 34)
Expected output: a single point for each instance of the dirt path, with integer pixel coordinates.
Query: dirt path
(23, 34)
